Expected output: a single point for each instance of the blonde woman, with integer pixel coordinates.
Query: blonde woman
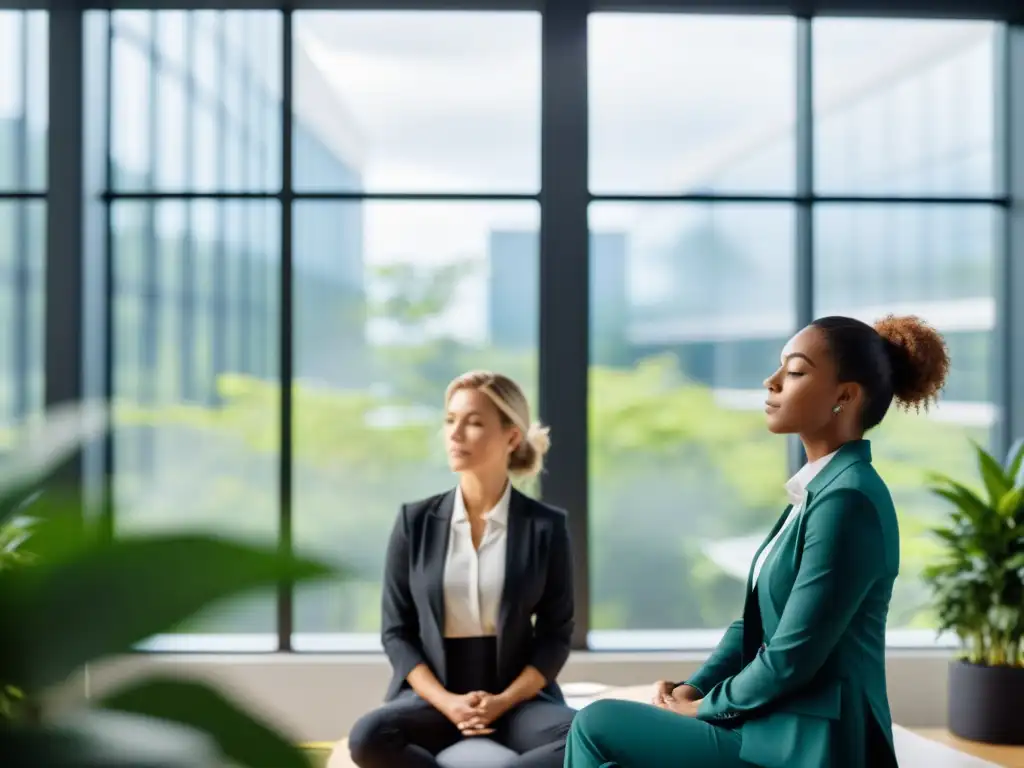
(478, 598)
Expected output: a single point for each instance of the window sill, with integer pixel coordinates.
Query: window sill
(615, 642)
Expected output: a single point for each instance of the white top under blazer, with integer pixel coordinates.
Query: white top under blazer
(796, 489)
(474, 579)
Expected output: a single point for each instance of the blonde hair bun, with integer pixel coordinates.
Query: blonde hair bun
(527, 459)
(539, 437)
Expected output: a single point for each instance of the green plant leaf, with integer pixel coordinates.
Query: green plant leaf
(13, 535)
(1016, 565)
(103, 599)
(44, 448)
(242, 738)
(949, 536)
(996, 482)
(965, 500)
(1010, 503)
(98, 739)
(1015, 462)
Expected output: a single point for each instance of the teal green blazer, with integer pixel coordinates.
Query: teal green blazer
(806, 688)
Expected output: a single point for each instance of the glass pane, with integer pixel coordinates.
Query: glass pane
(183, 106)
(130, 124)
(134, 24)
(937, 262)
(172, 39)
(171, 112)
(691, 103)
(197, 437)
(22, 257)
(24, 107)
(468, 121)
(392, 300)
(691, 305)
(207, 49)
(205, 156)
(904, 107)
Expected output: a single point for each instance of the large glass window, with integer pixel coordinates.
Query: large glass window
(23, 135)
(936, 262)
(684, 480)
(192, 111)
(394, 298)
(689, 306)
(468, 121)
(904, 107)
(414, 223)
(196, 284)
(691, 104)
(912, 114)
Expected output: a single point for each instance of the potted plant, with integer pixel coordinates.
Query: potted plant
(83, 598)
(978, 590)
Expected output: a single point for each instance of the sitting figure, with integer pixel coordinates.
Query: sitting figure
(799, 681)
(478, 599)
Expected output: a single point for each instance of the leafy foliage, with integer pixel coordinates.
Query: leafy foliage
(979, 583)
(673, 467)
(413, 294)
(82, 598)
(13, 534)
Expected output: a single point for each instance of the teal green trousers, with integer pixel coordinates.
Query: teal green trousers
(625, 734)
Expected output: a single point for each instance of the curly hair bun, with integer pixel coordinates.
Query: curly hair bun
(920, 359)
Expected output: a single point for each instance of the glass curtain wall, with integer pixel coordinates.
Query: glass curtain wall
(691, 313)
(286, 202)
(23, 136)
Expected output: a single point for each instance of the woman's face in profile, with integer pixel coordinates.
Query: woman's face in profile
(475, 438)
(802, 391)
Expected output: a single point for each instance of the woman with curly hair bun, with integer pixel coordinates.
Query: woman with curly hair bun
(478, 601)
(799, 681)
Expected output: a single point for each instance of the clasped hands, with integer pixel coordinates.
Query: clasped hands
(683, 700)
(473, 713)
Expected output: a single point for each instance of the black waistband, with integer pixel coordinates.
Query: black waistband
(471, 664)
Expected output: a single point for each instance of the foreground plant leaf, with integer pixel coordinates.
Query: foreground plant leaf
(97, 739)
(42, 447)
(243, 739)
(99, 600)
(1015, 462)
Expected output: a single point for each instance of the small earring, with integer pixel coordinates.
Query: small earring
(837, 408)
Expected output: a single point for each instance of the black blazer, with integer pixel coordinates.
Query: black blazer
(538, 583)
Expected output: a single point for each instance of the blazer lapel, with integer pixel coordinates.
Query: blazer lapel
(438, 530)
(519, 540)
(753, 628)
(849, 454)
(768, 538)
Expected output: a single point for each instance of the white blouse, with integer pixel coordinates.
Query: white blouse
(796, 489)
(474, 579)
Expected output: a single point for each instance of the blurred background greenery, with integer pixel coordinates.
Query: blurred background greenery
(673, 473)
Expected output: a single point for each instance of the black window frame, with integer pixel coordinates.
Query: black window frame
(78, 359)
